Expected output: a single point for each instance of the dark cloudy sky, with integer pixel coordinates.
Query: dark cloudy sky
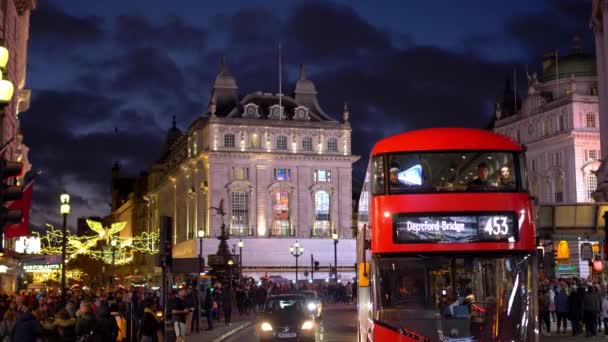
(108, 75)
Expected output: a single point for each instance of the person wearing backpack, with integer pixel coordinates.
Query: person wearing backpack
(106, 327)
(86, 323)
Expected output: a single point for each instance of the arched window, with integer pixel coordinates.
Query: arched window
(591, 185)
(322, 216)
(239, 215)
(280, 213)
(332, 144)
(229, 140)
(281, 142)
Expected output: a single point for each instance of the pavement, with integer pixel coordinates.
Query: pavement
(337, 325)
(567, 336)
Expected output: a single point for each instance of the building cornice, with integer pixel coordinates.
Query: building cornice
(279, 123)
(282, 156)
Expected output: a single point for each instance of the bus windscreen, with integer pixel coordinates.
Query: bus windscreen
(470, 171)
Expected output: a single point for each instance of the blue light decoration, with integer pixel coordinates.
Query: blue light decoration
(411, 176)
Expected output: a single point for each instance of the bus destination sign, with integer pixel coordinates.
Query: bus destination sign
(457, 228)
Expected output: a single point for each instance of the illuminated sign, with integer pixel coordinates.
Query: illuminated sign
(27, 245)
(456, 228)
(41, 267)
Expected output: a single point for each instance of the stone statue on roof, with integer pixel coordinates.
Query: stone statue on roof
(498, 110)
(533, 83)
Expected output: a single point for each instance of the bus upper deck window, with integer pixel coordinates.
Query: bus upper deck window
(378, 175)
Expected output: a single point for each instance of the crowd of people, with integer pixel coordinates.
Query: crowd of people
(576, 307)
(137, 314)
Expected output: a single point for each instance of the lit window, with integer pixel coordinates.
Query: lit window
(281, 142)
(364, 206)
(282, 174)
(332, 144)
(239, 224)
(280, 213)
(255, 140)
(229, 140)
(591, 185)
(240, 173)
(322, 221)
(307, 144)
(590, 120)
(322, 176)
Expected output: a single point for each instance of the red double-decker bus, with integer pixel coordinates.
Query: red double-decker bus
(446, 240)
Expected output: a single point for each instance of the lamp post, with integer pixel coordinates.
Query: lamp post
(241, 257)
(65, 211)
(296, 250)
(201, 264)
(113, 243)
(334, 236)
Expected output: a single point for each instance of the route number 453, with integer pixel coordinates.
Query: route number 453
(497, 225)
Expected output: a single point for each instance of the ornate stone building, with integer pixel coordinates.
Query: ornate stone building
(599, 22)
(282, 167)
(559, 123)
(14, 34)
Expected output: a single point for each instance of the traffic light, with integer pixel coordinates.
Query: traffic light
(166, 241)
(316, 265)
(8, 170)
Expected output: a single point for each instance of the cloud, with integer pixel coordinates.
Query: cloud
(172, 32)
(54, 28)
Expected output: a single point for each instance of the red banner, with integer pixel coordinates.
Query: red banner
(25, 203)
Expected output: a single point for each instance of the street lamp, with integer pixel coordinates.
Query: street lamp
(296, 251)
(334, 236)
(241, 257)
(201, 264)
(65, 211)
(113, 243)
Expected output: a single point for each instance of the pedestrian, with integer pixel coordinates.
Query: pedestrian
(107, 328)
(575, 305)
(86, 322)
(561, 309)
(27, 328)
(590, 311)
(544, 314)
(605, 312)
(8, 324)
(227, 303)
(179, 313)
(151, 328)
(209, 305)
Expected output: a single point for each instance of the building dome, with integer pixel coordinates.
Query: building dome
(224, 79)
(577, 63)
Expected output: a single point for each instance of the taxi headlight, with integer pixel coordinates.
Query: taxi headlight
(308, 325)
(266, 326)
(311, 306)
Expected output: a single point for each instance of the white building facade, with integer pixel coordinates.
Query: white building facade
(281, 166)
(599, 24)
(559, 123)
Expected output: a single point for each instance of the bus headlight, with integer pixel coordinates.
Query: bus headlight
(308, 325)
(311, 306)
(266, 326)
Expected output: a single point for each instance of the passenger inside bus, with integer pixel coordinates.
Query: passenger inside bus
(481, 182)
(504, 178)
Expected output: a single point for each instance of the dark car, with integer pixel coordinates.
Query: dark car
(286, 317)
